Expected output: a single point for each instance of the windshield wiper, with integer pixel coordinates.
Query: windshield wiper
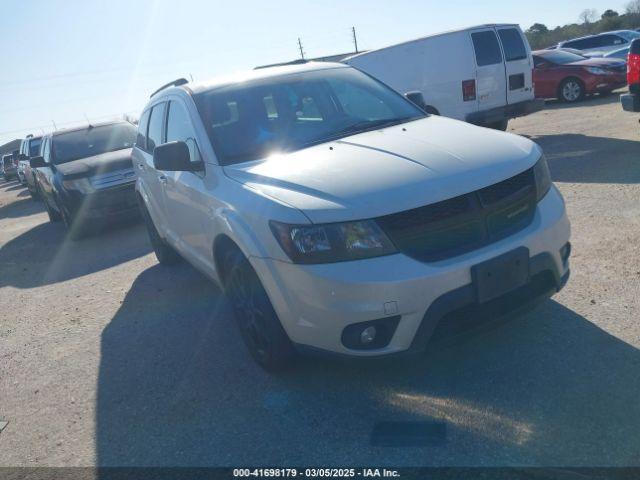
(358, 127)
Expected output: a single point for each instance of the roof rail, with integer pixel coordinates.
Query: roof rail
(175, 83)
(299, 61)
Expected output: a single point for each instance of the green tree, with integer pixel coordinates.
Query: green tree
(538, 28)
(609, 14)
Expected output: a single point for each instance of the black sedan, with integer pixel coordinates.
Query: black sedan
(85, 174)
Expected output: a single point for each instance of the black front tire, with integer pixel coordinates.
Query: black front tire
(259, 325)
(165, 254)
(54, 215)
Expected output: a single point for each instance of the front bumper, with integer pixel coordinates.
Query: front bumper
(506, 112)
(316, 302)
(107, 203)
(605, 83)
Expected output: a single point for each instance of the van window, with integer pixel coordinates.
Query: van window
(141, 139)
(487, 48)
(512, 44)
(154, 137)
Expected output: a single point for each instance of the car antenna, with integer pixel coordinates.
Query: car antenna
(87, 119)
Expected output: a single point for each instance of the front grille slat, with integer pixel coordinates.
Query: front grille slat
(461, 224)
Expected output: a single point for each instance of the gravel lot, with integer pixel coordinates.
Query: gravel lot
(108, 358)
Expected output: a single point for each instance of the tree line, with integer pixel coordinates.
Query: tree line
(590, 22)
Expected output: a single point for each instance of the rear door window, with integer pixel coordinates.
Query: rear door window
(486, 48)
(512, 44)
(609, 40)
(154, 136)
(583, 44)
(141, 138)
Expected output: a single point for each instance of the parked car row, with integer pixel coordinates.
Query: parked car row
(334, 206)
(601, 43)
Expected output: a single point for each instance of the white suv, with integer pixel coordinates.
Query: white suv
(338, 216)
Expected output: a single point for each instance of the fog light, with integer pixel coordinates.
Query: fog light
(368, 335)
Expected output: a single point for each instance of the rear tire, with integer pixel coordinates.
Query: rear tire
(259, 325)
(571, 90)
(75, 228)
(54, 215)
(165, 254)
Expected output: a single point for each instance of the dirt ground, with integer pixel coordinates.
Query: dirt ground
(107, 358)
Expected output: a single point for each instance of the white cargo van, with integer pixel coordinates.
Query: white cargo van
(479, 74)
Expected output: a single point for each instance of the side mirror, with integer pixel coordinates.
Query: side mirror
(37, 162)
(417, 99)
(174, 157)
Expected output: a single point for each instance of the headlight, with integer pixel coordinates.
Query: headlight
(332, 242)
(598, 71)
(82, 185)
(542, 177)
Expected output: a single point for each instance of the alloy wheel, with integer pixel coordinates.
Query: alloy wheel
(571, 91)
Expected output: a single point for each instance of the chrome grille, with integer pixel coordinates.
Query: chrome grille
(111, 179)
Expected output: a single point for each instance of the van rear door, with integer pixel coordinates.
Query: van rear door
(490, 75)
(518, 67)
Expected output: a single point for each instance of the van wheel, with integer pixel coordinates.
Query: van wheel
(257, 321)
(500, 125)
(165, 254)
(571, 90)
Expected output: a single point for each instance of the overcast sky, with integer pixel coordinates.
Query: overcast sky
(66, 59)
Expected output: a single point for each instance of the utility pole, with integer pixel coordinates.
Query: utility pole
(300, 47)
(355, 39)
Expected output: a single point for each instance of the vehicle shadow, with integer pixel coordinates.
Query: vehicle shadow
(589, 101)
(44, 254)
(17, 186)
(576, 158)
(23, 207)
(176, 388)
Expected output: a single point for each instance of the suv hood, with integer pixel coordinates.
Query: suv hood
(90, 166)
(390, 170)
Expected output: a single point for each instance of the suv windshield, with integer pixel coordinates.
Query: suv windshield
(92, 141)
(286, 113)
(561, 57)
(34, 146)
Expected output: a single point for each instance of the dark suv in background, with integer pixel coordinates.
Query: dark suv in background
(9, 167)
(86, 174)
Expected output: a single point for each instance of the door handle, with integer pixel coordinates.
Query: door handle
(163, 179)
(140, 166)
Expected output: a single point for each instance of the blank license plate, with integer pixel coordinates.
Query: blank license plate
(502, 274)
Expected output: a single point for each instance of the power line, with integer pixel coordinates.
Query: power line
(355, 39)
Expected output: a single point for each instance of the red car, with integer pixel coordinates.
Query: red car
(569, 77)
